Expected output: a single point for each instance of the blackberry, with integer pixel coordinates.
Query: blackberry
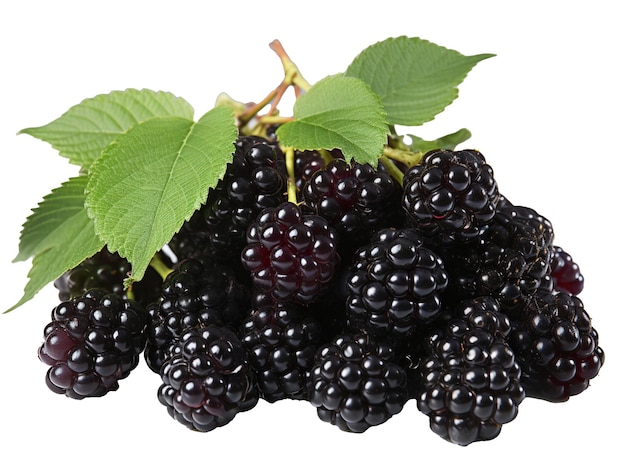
(91, 343)
(193, 239)
(355, 199)
(508, 262)
(482, 312)
(306, 163)
(192, 295)
(281, 340)
(565, 272)
(254, 180)
(395, 285)
(290, 253)
(207, 381)
(556, 345)
(470, 379)
(107, 271)
(355, 383)
(451, 195)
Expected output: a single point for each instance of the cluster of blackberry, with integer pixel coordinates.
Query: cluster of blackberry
(359, 296)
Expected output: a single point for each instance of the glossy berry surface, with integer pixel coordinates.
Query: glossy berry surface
(91, 343)
(207, 381)
(395, 285)
(451, 195)
(306, 163)
(353, 289)
(291, 254)
(193, 295)
(107, 271)
(508, 262)
(565, 272)
(355, 199)
(470, 378)
(256, 179)
(557, 346)
(355, 383)
(281, 340)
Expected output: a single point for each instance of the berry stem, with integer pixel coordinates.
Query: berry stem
(255, 108)
(407, 158)
(327, 156)
(292, 191)
(293, 76)
(129, 293)
(274, 119)
(392, 168)
(160, 267)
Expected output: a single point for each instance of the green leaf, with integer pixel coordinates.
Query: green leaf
(44, 227)
(59, 234)
(415, 79)
(449, 141)
(338, 112)
(152, 178)
(81, 133)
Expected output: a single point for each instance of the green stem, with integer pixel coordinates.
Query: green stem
(407, 158)
(292, 190)
(393, 169)
(327, 156)
(274, 119)
(129, 293)
(160, 267)
(293, 76)
(254, 109)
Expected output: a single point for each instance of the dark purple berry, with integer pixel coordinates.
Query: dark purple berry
(356, 199)
(207, 381)
(395, 285)
(565, 272)
(556, 345)
(92, 342)
(306, 163)
(355, 383)
(193, 295)
(290, 254)
(107, 271)
(508, 262)
(281, 340)
(451, 195)
(470, 379)
(256, 179)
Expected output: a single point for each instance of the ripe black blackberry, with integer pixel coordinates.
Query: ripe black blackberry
(107, 271)
(193, 295)
(255, 179)
(306, 163)
(395, 285)
(451, 195)
(207, 381)
(356, 199)
(281, 340)
(565, 272)
(290, 253)
(355, 383)
(482, 312)
(508, 262)
(556, 345)
(470, 379)
(92, 342)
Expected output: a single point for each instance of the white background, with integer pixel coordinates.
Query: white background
(547, 112)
